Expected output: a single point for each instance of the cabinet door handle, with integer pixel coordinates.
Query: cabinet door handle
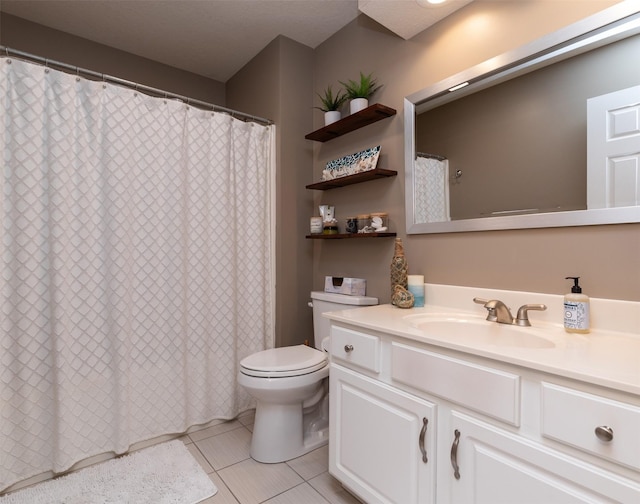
(604, 433)
(348, 348)
(454, 454)
(423, 431)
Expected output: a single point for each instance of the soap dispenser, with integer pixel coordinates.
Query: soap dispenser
(576, 309)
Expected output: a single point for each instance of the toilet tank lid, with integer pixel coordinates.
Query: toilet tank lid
(344, 299)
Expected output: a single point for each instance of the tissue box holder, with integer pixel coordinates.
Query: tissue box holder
(348, 286)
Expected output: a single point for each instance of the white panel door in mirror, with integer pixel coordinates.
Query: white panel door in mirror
(613, 149)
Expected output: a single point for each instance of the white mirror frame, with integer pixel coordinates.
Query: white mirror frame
(618, 22)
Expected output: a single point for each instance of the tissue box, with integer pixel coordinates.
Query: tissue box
(349, 286)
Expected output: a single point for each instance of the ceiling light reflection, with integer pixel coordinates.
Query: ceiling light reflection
(459, 86)
(429, 3)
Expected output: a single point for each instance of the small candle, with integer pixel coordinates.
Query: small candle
(416, 287)
(316, 225)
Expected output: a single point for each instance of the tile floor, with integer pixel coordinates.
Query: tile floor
(223, 452)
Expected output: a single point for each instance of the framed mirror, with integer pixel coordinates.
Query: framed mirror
(511, 144)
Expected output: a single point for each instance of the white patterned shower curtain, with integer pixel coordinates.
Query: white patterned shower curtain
(136, 266)
(431, 190)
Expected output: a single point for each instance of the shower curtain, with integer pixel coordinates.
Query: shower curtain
(431, 190)
(136, 266)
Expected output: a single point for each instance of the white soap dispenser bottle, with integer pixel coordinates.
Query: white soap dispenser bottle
(576, 309)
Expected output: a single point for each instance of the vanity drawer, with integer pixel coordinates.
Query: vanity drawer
(486, 390)
(356, 348)
(572, 417)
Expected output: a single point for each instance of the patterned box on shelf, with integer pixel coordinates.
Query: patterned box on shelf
(350, 165)
(349, 286)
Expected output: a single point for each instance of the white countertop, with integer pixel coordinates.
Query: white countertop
(605, 357)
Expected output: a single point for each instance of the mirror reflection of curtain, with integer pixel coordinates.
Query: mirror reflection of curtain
(431, 190)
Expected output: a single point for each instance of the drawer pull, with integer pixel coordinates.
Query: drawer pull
(604, 433)
(454, 454)
(423, 431)
(348, 348)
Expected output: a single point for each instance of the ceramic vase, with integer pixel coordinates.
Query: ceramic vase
(358, 104)
(331, 116)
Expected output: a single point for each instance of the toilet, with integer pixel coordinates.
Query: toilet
(291, 388)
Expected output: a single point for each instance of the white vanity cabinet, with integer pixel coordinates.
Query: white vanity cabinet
(496, 466)
(492, 432)
(382, 440)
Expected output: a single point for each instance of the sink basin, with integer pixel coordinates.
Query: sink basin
(472, 330)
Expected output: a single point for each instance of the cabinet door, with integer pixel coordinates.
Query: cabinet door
(498, 467)
(382, 440)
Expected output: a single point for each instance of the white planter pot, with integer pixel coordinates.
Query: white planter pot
(331, 117)
(358, 104)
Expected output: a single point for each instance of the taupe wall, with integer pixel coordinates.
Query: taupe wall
(606, 257)
(278, 84)
(33, 38)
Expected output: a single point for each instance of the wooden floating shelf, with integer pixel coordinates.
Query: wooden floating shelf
(371, 114)
(343, 236)
(376, 173)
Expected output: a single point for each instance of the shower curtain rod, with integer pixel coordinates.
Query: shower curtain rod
(7, 51)
(430, 156)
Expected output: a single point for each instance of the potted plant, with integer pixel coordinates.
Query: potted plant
(331, 105)
(360, 91)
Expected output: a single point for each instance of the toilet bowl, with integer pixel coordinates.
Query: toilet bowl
(285, 389)
(291, 385)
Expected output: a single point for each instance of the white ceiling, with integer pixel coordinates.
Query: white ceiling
(216, 38)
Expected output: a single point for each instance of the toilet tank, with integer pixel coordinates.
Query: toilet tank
(326, 302)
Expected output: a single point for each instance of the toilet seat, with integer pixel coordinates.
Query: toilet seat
(283, 362)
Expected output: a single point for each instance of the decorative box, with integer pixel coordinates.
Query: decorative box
(349, 286)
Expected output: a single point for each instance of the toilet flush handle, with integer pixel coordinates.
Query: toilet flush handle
(310, 304)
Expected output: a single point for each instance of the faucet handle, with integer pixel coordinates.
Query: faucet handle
(522, 319)
(491, 315)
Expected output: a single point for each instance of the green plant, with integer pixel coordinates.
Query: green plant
(362, 89)
(331, 102)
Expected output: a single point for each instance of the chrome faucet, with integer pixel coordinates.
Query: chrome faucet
(499, 312)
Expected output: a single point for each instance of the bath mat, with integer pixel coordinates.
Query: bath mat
(162, 474)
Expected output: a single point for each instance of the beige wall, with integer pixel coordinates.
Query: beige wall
(36, 39)
(606, 257)
(278, 84)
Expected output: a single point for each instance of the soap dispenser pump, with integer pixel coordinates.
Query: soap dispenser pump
(576, 309)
